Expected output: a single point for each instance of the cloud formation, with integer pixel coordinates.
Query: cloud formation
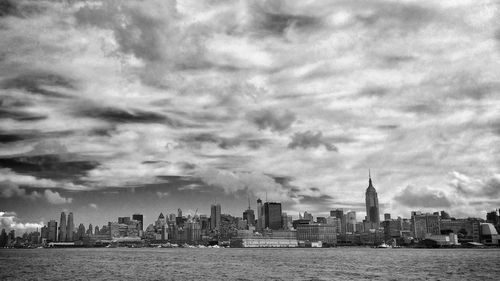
(422, 197)
(310, 139)
(232, 95)
(10, 221)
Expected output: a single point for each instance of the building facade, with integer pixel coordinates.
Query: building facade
(272, 215)
(215, 217)
(372, 207)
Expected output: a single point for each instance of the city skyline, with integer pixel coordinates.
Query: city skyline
(123, 107)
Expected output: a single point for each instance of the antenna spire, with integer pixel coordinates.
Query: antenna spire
(369, 178)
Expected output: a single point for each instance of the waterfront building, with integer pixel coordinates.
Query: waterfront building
(372, 207)
(140, 219)
(272, 215)
(424, 224)
(70, 228)
(489, 234)
(52, 231)
(62, 228)
(317, 233)
(215, 217)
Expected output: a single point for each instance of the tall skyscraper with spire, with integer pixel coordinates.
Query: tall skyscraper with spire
(372, 209)
(62, 228)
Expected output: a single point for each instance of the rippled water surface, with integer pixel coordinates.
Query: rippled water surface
(250, 264)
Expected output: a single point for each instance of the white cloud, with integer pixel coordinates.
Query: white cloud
(54, 197)
(162, 194)
(93, 206)
(406, 88)
(9, 220)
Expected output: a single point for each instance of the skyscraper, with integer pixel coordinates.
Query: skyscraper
(339, 214)
(351, 221)
(272, 215)
(52, 228)
(372, 209)
(260, 215)
(90, 230)
(139, 218)
(215, 217)
(62, 228)
(249, 215)
(70, 228)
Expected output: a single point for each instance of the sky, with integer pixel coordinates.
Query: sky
(109, 108)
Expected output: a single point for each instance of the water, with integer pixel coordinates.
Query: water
(250, 264)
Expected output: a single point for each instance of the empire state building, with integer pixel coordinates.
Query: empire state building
(372, 211)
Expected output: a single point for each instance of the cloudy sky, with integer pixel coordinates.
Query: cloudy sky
(108, 108)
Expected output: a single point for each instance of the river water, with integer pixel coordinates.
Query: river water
(343, 263)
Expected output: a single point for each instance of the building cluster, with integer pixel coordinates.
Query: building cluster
(269, 226)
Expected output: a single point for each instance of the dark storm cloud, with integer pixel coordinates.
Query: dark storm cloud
(489, 187)
(495, 126)
(421, 197)
(14, 136)
(118, 115)
(394, 15)
(8, 8)
(271, 119)
(388, 127)
(20, 115)
(49, 166)
(36, 83)
(395, 59)
(151, 32)
(315, 200)
(423, 108)
(20, 8)
(278, 23)
(222, 142)
(310, 139)
(373, 91)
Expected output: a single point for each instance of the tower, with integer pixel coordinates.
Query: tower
(62, 228)
(249, 215)
(52, 228)
(372, 209)
(215, 217)
(70, 228)
(140, 219)
(260, 213)
(272, 215)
